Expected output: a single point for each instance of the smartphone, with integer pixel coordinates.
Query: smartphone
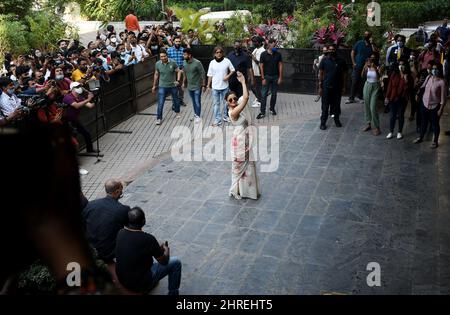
(166, 243)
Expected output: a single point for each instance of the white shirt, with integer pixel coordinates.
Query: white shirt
(139, 52)
(8, 104)
(218, 70)
(257, 53)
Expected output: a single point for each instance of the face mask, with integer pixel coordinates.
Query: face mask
(83, 68)
(366, 38)
(274, 49)
(332, 54)
(59, 77)
(435, 72)
(105, 55)
(123, 54)
(401, 68)
(38, 54)
(155, 47)
(219, 59)
(238, 50)
(177, 46)
(41, 80)
(400, 44)
(10, 91)
(429, 71)
(79, 91)
(113, 40)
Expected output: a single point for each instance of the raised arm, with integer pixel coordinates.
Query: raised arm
(234, 113)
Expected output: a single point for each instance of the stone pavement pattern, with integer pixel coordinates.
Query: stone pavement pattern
(339, 200)
(125, 154)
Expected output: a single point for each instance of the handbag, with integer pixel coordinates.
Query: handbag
(421, 91)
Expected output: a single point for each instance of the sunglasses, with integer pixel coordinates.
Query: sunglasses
(234, 98)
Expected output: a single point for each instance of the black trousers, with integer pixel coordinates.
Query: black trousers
(397, 109)
(256, 88)
(430, 115)
(357, 86)
(331, 103)
(78, 126)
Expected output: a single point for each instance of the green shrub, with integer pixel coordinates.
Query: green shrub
(45, 29)
(37, 279)
(12, 36)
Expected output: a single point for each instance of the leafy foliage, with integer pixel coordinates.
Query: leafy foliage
(45, 29)
(37, 279)
(18, 8)
(116, 10)
(190, 19)
(12, 36)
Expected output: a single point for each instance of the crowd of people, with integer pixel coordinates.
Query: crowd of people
(52, 87)
(418, 76)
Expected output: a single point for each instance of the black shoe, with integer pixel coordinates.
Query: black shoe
(337, 123)
(92, 151)
(323, 127)
(273, 112)
(350, 101)
(447, 133)
(260, 115)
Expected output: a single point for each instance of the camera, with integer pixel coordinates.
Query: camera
(38, 99)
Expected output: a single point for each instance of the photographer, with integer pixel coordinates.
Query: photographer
(52, 113)
(11, 109)
(76, 101)
(61, 81)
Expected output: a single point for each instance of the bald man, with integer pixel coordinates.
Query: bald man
(104, 218)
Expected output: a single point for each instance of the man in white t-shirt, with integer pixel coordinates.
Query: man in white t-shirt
(256, 57)
(219, 72)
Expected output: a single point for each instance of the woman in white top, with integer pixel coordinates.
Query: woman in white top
(371, 93)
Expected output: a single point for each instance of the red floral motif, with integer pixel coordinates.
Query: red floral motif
(234, 142)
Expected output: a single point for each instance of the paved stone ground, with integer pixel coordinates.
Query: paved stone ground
(339, 200)
(125, 155)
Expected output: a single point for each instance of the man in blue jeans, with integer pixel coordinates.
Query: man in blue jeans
(219, 73)
(194, 79)
(271, 68)
(168, 75)
(135, 251)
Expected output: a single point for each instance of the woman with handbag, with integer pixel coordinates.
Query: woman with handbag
(397, 97)
(433, 101)
(371, 92)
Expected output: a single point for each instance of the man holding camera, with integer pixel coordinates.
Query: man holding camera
(75, 100)
(11, 109)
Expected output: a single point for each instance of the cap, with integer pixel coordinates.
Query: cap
(74, 85)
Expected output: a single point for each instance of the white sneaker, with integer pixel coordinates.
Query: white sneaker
(390, 135)
(197, 120)
(399, 135)
(83, 171)
(256, 104)
(158, 122)
(192, 118)
(226, 119)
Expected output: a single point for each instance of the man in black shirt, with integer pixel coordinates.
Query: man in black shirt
(104, 218)
(332, 82)
(135, 251)
(271, 66)
(241, 62)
